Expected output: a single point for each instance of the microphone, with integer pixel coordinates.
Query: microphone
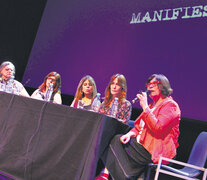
(136, 98)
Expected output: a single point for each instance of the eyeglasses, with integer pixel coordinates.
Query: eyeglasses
(51, 79)
(153, 84)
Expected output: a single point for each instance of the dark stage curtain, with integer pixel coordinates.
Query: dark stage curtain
(40, 140)
(19, 22)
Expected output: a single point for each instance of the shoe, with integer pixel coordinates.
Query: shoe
(102, 176)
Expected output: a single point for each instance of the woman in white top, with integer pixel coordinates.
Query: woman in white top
(54, 79)
(85, 93)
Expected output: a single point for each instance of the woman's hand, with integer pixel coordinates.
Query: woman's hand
(143, 100)
(125, 138)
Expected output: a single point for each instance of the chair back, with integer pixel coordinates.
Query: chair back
(198, 153)
(131, 123)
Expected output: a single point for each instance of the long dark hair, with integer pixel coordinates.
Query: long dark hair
(122, 97)
(79, 93)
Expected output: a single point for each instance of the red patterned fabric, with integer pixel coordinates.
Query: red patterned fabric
(124, 111)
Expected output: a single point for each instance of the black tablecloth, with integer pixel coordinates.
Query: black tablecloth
(45, 141)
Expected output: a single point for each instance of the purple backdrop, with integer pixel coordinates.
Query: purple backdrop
(93, 37)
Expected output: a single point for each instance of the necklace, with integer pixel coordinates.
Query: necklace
(87, 101)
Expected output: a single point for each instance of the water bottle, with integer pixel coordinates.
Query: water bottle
(80, 104)
(49, 92)
(16, 90)
(96, 103)
(114, 108)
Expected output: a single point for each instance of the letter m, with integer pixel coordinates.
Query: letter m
(135, 19)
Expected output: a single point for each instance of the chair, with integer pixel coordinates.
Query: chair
(193, 167)
(131, 123)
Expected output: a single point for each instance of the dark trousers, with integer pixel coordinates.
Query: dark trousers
(125, 161)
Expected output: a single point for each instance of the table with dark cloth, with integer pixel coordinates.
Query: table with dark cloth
(45, 141)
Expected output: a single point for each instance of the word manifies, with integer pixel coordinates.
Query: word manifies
(170, 14)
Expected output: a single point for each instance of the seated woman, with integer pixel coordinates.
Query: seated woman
(40, 93)
(7, 73)
(155, 133)
(85, 93)
(117, 88)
